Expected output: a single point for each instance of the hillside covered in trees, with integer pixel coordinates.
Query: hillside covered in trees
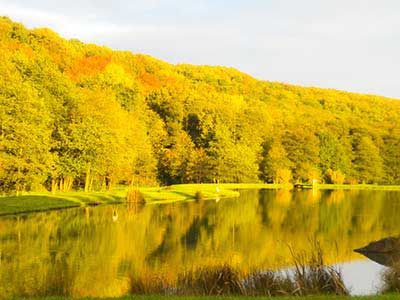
(75, 115)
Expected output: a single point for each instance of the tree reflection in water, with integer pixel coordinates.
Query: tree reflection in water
(83, 252)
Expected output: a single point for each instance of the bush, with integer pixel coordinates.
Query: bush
(335, 177)
(135, 196)
(199, 196)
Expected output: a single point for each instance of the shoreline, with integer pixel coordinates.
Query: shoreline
(46, 201)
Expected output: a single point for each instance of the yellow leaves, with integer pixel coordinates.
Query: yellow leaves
(114, 74)
(88, 66)
(150, 81)
(18, 46)
(335, 176)
(283, 176)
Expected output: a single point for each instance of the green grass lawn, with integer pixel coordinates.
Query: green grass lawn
(156, 297)
(12, 205)
(33, 202)
(181, 192)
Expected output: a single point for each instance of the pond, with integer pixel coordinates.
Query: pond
(94, 251)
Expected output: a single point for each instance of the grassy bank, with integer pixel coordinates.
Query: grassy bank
(33, 202)
(158, 297)
(181, 192)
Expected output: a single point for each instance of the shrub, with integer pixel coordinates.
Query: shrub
(135, 196)
(199, 196)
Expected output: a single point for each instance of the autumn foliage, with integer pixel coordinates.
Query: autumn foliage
(74, 115)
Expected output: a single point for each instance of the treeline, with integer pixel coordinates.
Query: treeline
(75, 115)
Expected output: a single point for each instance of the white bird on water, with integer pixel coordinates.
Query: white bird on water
(115, 216)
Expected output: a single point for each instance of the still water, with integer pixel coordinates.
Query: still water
(95, 251)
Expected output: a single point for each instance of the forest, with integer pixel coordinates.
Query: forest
(76, 116)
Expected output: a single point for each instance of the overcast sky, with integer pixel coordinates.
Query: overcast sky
(350, 45)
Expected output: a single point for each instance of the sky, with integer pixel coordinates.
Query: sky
(351, 45)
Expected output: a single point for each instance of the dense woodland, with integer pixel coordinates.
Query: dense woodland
(80, 116)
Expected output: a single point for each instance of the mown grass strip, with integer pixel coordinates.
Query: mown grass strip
(181, 192)
(162, 297)
(34, 202)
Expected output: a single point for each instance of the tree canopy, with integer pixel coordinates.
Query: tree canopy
(75, 115)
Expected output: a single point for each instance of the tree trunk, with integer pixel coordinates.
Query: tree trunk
(88, 180)
(62, 185)
(68, 181)
(54, 185)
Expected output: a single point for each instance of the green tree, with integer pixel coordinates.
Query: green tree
(275, 166)
(332, 157)
(367, 162)
(302, 148)
(25, 159)
(391, 157)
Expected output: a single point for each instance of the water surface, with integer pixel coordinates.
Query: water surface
(95, 251)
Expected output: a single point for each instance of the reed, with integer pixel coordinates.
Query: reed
(148, 284)
(269, 283)
(313, 277)
(309, 276)
(216, 280)
(391, 279)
